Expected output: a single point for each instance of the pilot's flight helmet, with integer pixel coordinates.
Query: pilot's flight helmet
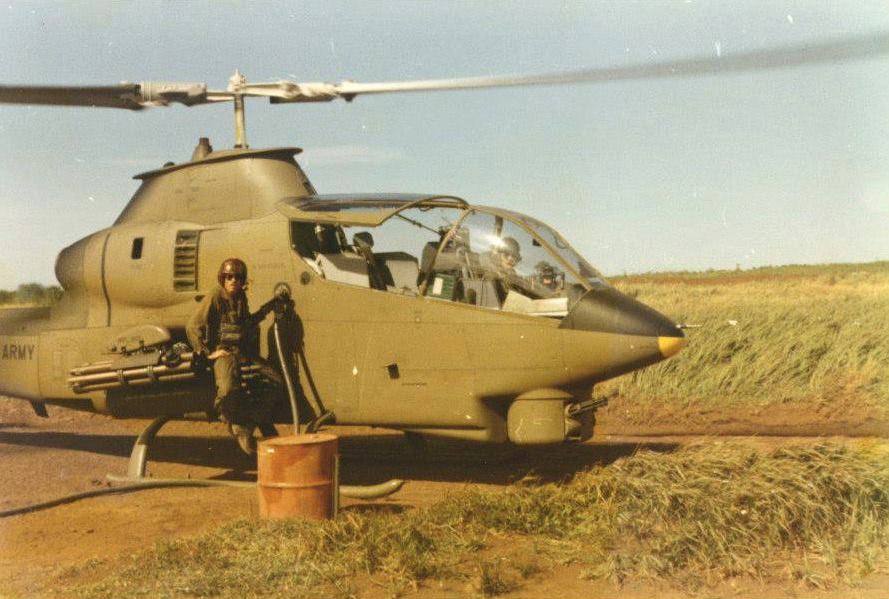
(545, 269)
(510, 247)
(232, 266)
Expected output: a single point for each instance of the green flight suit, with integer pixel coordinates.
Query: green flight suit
(224, 322)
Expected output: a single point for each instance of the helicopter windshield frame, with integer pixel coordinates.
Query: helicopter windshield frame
(363, 210)
(518, 219)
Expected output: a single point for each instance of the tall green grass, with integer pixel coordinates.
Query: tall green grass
(701, 514)
(787, 270)
(783, 334)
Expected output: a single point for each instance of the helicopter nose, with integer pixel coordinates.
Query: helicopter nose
(606, 310)
(670, 345)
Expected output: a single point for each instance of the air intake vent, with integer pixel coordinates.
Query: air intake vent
(185, 261)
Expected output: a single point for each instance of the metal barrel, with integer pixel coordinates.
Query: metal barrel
(297, 476)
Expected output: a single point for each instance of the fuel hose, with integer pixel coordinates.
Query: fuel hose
(354, 492)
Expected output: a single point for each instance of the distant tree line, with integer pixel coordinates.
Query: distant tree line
(31, 293)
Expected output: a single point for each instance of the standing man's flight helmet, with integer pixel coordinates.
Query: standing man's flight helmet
(232, 266)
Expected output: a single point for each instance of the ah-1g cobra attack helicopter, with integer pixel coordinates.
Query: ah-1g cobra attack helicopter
(422, 313)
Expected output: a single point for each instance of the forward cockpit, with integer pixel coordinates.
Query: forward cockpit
(442, 248)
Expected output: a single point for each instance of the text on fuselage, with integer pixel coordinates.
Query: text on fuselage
(17, 351)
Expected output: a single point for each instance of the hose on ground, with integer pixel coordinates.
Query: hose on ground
(357, 492)
(139, 486)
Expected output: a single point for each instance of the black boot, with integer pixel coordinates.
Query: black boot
(267, 429)
(246, 440)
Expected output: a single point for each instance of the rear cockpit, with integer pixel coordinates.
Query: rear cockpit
(441, 248)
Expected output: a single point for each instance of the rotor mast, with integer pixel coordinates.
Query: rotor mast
(236, 85)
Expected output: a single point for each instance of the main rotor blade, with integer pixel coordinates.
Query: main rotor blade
(809, 53)
(108, 96)
(132, 96)
(135, 96)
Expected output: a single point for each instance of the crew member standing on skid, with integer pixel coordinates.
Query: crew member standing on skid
(221, 330)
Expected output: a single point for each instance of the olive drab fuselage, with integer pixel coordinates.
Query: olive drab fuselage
(406, 360)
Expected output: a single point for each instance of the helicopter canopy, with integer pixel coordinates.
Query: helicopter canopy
(442, 248)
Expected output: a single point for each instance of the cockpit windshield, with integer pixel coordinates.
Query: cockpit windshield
(489, 258)
(560, 246)
(496, 261)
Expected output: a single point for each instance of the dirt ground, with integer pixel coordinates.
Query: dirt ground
(71, 452)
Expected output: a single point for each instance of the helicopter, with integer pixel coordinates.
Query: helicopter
(417, 312)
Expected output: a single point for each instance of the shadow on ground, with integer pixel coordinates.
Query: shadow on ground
(365, 458)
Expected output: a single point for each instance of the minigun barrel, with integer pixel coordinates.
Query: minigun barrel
(127, 374)
(100, 376)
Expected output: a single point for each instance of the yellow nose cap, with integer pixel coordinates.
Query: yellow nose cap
(670, 345)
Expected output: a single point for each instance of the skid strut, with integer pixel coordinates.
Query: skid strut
(139, 455)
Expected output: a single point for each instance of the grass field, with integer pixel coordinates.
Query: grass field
(816, 514)
(818, 334)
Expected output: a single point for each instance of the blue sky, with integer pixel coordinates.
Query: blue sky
(749, 169)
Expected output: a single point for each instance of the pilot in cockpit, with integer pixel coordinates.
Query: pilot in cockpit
(546, 277)
(500, 265)
(507, 256)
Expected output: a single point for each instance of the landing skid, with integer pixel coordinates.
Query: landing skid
(139, 460)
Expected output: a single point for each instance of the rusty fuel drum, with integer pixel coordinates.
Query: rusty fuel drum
(296, 476)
